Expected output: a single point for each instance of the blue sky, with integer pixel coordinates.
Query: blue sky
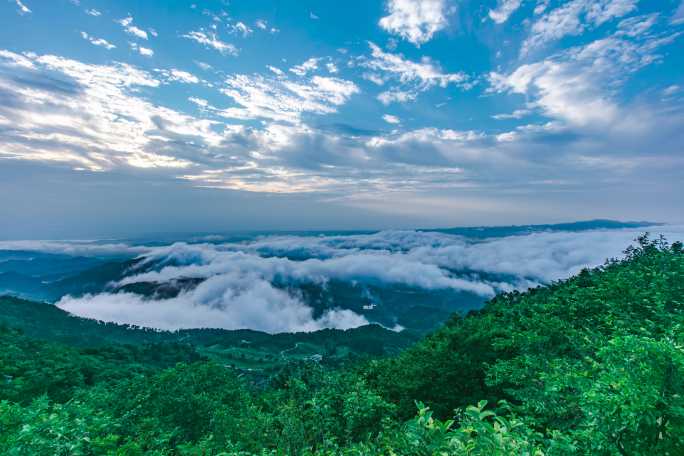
(128, 117)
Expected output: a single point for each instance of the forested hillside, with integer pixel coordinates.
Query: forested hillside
(592, 365)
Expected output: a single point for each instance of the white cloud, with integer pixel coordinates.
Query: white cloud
(263, 25)
(541, 6)
(637, 25)
(503, 10)
(201, 102)
(226, 302)
(241, 28)
(362, 267)
(678, 17)
(542, 257)
(76, 248)
(332, 68)
(396, 96)
(97, 41)
(209, 39)
(415, 20)
(176, 75)
(238, 280)
(285, 100)
(127, 24)
(374, 78)
(562, 91)
(91, 116)
(391, 119)
(23, 9)
(578, 85)
(517, 114)
(275, 70)
(573, 18)
(603, 11)
(306, 67)
(93, 12)
(508, 136)
(417, 76)
(203, 65)
(145, 52)
(672, 90)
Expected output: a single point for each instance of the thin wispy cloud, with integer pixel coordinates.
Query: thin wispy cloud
(210, 40)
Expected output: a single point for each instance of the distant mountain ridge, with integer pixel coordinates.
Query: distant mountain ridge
(512, 230)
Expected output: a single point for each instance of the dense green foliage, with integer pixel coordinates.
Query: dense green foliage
(591, 365)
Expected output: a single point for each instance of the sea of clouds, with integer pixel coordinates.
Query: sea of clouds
(238, 281)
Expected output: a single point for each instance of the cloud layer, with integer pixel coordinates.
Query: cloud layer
(256, 283)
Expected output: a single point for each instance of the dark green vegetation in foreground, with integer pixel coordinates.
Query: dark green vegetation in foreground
(591, 365)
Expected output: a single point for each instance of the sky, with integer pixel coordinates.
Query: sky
(129, 117)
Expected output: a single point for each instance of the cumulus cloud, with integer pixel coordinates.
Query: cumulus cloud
(415, 20)
(93, 12)
(578, 85)
(89, 116)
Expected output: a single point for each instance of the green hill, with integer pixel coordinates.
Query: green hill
(593, 365)
(257, 353)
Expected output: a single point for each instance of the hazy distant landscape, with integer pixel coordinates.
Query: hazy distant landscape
(290, 282)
